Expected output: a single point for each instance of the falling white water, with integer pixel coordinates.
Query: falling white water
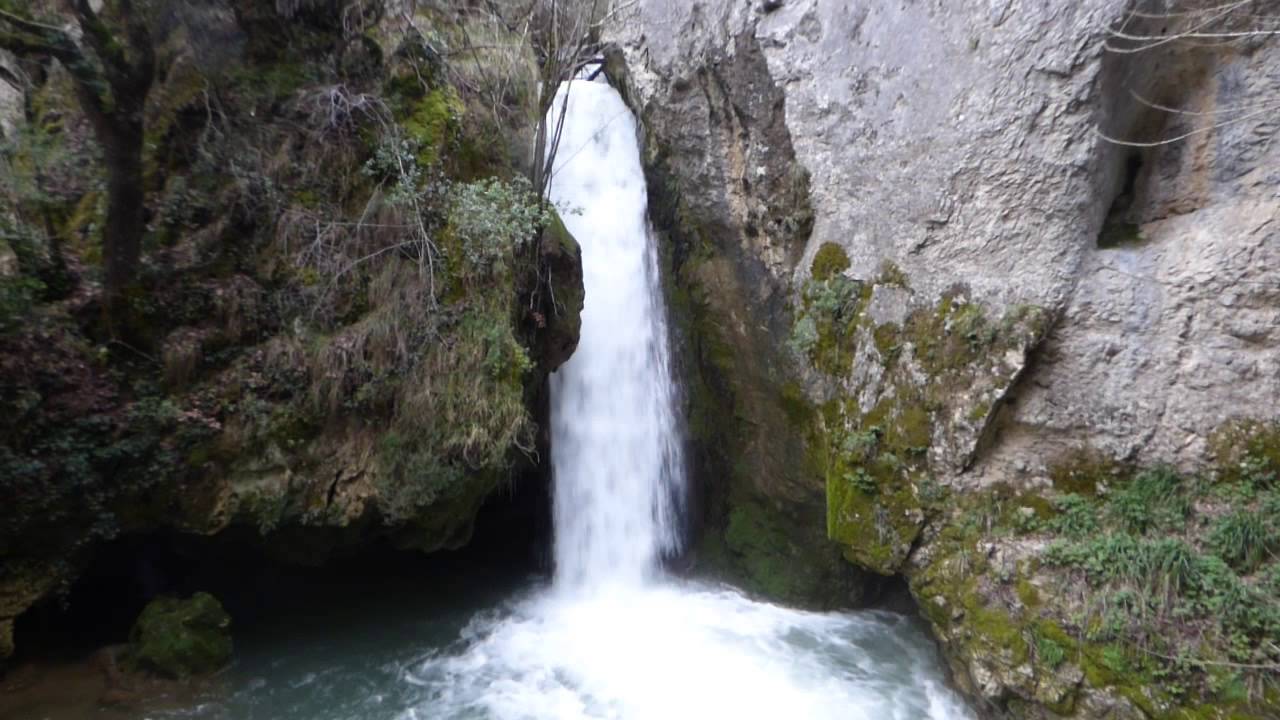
(615, 451)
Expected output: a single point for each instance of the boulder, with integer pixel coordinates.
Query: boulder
(181, 638)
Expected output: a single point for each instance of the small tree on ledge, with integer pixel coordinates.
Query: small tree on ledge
(112, 63)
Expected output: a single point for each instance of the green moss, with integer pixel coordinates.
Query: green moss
(888, 340)
(1083, 472)
(1119, 234)
(84, 226)
(1028, 593)
(181, 638)
(1105, 666)
(432, 122)
(876, 529)
(799, 411)
(1247, 451)
(829, 261)
(998, 631)
(450, 520)
(1054, 646)
(762, 548)
(910, 430)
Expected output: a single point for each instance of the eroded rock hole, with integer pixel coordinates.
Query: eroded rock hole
(1119, 228)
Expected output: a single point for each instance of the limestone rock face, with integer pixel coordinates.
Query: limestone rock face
(1019, 286)
(181, 638)
(961, 142)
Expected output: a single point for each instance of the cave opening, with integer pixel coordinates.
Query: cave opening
(265, 582)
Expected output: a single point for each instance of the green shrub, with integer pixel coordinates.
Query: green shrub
(834, 298)
(1153, 499)
(493, 218)
(804, 336)
(1049, 652)
(861, 480)
(395, 161)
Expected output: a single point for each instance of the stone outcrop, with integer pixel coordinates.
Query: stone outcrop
(919, 273)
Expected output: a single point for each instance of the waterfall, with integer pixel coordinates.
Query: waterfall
(612, 638)
(615, 453)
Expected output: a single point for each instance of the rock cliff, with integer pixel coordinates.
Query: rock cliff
(942, 276)
(347, 304)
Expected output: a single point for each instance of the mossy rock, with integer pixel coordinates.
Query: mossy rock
(829, 261)
(181, 638)
(765, 550)
(875, 527)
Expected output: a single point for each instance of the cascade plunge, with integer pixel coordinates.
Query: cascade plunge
(612, 638)
(615, 452)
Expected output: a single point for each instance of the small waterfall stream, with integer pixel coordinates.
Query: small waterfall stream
(611, 637)
(615, 451)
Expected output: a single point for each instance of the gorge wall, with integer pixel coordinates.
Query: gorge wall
(922, 291)
(346, 307)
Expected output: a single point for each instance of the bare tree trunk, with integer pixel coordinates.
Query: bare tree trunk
(125, 222)
(113, 67)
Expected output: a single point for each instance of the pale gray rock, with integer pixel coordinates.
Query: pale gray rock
(966, 144)
(10, 94)
(960, 141)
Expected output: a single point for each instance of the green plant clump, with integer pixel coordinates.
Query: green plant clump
(1131, 543)
(829, 261)
(495, 218)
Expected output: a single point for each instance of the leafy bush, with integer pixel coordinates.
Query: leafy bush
(1049, 652)
(862, 481)
(493, 219)
(395, 160)
(804, 336)
(832, 298)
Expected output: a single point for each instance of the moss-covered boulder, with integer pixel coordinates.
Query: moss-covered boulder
(182, 638)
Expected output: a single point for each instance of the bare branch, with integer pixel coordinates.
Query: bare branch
(1159, 41)
(1184, 136)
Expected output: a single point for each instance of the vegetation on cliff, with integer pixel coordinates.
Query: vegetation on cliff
(1135, 591)
(1141, 589)
(340, 311)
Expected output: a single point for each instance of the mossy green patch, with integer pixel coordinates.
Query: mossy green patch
(432, 122)
(182, 638)
(892, 276)
(829, 261)
(877, 528)
(1083, 472)
(768, 557)
(1116, 233)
